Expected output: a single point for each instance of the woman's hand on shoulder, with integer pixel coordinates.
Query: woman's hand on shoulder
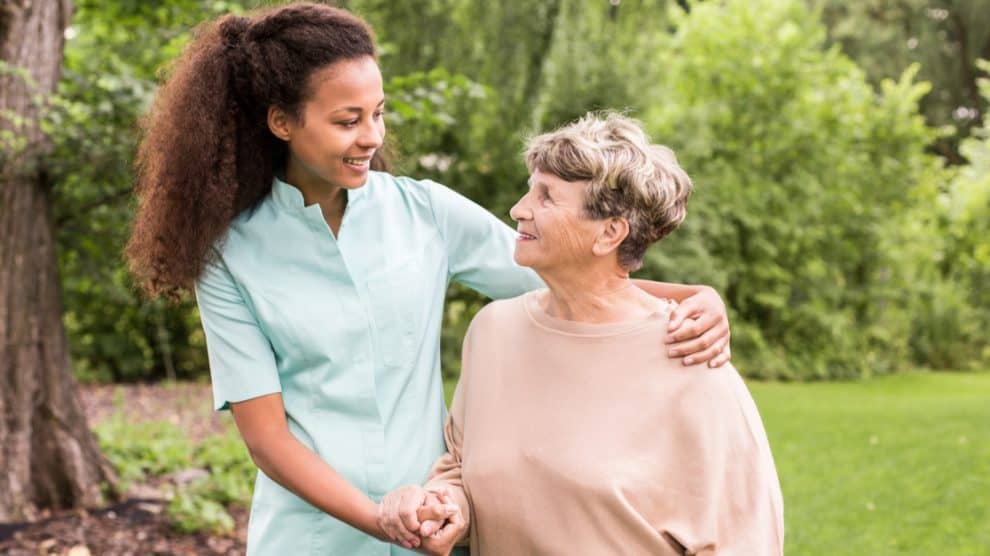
(699, 330)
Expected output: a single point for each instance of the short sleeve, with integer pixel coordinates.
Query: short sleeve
(479, 246)
(242, 363)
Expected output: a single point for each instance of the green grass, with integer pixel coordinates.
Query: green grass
(897, 465)
(894, 465)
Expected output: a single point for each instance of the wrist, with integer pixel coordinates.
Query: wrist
(368, 521)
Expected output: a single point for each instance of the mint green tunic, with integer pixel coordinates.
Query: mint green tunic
(348, 330)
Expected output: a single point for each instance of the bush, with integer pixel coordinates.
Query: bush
(807, 183)
(146, 451)
(951, 333)
(141, 450)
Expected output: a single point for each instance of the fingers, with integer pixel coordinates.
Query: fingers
(703, 348)
(409, 508)
(390, 517)
(707, 354)
(694, 326)
(443, 540)
(683, 311)
(689, 328)
(435, 512)
(721, 358)
(429, 527)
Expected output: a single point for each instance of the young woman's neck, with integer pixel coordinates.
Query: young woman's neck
(331, 198)
(595, 295)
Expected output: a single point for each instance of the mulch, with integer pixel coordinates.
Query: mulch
(137, 525)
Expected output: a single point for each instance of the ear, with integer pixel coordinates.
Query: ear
(614, 231)
(279, 123)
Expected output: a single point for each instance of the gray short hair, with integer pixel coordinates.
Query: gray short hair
(627, 176)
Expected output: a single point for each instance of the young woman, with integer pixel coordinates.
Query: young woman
(320, 281)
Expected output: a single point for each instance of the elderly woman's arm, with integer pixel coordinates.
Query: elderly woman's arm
(723, 480)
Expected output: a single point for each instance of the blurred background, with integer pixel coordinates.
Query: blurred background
(841, 156)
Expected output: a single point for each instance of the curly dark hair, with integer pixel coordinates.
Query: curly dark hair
(206, 153)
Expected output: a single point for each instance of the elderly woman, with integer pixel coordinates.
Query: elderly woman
(572, 431)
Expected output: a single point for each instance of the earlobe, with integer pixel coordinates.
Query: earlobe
(278, 123)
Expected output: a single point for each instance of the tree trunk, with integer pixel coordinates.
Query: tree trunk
(48, 456)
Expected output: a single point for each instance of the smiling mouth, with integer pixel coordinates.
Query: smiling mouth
(357, 161)
(524, 235)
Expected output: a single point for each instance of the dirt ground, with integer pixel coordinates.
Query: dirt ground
(137, 525)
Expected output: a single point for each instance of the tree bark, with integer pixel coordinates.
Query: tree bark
(49, 458)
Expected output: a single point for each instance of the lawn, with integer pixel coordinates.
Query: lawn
(890, 466)
(894, 465)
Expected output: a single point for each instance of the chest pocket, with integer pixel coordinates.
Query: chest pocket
(394, 295)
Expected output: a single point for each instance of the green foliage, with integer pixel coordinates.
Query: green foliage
(421, 113)
(231, 470)
(114, 334)
(887, 466)
(805, 181)
(953, 331)
(202, 505)
(944, 37)
(139, 450)
(191, 512)
(157, 450)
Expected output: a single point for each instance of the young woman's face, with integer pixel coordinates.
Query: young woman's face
(342, 125)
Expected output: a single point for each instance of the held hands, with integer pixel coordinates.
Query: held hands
(427, 521)
(699, 330)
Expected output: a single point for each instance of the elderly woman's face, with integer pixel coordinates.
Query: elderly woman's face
(553, 231)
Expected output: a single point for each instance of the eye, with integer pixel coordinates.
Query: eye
(378, 115)
(349, 123)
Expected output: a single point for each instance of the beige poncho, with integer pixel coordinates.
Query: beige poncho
(574, 438)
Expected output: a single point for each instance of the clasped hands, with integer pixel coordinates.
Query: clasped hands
(425, 520)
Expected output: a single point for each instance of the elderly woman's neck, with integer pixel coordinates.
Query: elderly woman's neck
(602, 296)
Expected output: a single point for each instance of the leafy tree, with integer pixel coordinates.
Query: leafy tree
(951, 332)
(945, 37)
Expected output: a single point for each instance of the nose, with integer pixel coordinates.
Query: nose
(521, 211)
(372, 135)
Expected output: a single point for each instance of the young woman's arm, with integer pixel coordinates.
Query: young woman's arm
(279, 454)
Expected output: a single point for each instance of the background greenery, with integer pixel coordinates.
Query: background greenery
(839, 151)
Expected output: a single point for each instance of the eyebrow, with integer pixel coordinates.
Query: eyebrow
(533, 184)
(357, 109)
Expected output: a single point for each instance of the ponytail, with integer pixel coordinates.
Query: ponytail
(206, 153)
